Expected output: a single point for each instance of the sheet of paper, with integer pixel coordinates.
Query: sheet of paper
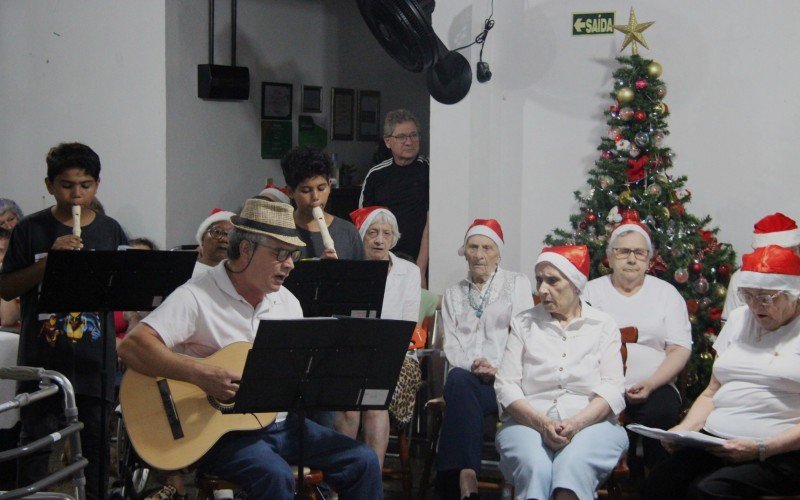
(686, 438)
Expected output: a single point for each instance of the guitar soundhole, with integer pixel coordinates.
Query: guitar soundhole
(224, 407)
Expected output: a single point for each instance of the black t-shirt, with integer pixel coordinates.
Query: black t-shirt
(346, 241)
(69, 343)
(404, 191)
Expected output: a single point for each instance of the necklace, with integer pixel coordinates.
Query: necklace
(479, 308)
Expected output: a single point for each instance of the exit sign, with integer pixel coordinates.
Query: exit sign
(593, 23)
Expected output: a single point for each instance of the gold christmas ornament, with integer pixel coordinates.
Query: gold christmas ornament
(626, 197)
(720, 291)
(633, 33)
(706, 356)
(693, 319)
(654, 69)
(625, 95)
(660, 108)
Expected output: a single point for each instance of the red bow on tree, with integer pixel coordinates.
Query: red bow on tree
(657, 265)
(636, 168)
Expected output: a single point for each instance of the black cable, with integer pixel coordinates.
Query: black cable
(481, 38)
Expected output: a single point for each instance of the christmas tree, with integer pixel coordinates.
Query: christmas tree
(631, 179)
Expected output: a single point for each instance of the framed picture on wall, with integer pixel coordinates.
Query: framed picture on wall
(276, 101)
(311, 101)
(369, 115)
(342, 105)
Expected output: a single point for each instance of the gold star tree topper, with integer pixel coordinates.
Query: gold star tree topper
(633, 33)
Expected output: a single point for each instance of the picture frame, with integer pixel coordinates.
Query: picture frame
(311, 99)
(276, 101)
(342, 119)
(369, 115)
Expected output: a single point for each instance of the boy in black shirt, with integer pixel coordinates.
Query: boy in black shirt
(69, 343)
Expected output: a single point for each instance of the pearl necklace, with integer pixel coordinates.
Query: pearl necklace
(480, 307)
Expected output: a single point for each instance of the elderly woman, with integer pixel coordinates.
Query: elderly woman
(753, 398)
(656, 308)
(560, 387)
(476, 313)
(379, 232)
(10, 213)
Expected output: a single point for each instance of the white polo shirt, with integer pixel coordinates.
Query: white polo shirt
(565, 368)
(759, 395)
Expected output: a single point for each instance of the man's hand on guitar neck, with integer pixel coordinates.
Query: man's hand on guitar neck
(217, 382)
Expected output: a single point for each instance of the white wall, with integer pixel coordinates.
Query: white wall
(213, 148)
(516, 148)
(89, 71)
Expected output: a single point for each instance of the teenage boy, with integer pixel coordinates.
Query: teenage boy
(307, 172)
(69, 343)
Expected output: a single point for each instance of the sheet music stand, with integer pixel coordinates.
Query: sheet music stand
(131, 280)
(339, 363)
(328, 287)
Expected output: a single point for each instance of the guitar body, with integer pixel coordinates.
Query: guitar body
(202, 423)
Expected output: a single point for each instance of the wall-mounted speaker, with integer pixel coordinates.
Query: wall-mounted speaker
(230, 83)
(403, 28)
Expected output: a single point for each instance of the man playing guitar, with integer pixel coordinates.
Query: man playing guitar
(225, 306)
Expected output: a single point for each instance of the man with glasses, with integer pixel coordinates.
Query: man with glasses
(775, 229)
(225, 306)
(401, 184)
(212, 240)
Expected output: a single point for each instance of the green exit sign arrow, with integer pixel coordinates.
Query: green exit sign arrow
(593, 23)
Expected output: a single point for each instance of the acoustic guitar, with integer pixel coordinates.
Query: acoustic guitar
(172, 424)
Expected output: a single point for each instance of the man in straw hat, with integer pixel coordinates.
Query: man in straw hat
(225, 306)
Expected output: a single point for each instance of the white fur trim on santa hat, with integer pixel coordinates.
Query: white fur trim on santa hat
(276, 194)
(768, 281)
(483, 231)
(626, 228)
(565, 266)
(371, 218)
(211, 219)
(785, 239)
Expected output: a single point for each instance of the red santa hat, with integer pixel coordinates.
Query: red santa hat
(216, 215)
(630, 222)
(485, 227)
(364, 217)
(776, 229)
(771, 268)
(571, 260)
(275, 193)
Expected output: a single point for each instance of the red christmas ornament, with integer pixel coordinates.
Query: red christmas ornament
(590, 218)
(613, 108)
(711, 331)
(582, 225)
(617, 137)
(636, 168)
(605, 155)
(630, 214)
(692, 306)
(605, 261)
(657, 265)
(724, 270)
(677, 209)
(641, 84)
(715, 313)
(639, 115)
(697, 267)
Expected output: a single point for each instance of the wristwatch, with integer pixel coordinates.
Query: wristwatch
(762, 450)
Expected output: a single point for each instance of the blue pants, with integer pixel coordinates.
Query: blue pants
(537, 471)
(259, 461)
(468, 400)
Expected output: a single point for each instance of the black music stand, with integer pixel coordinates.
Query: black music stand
(338, 363)
(107, 281)
(328, 287)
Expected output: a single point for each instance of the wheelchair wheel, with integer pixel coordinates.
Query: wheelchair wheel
(134, 474)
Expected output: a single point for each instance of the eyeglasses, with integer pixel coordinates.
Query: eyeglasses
(414, 136)
(281, 254)
(763, 299)
(218, 233)
(624, 253)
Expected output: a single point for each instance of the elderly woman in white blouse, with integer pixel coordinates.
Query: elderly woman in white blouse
(476, 313)
(560, 387)
(379, 232)
(753, 398)
(655, 307)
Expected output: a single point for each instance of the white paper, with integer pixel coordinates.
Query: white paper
(375, 397)
(692, 439)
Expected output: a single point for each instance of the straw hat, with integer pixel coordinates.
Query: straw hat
(269, 218)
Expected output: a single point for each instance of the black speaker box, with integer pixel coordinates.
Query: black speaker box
(223, 82)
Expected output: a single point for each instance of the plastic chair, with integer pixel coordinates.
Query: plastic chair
(50, 384)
